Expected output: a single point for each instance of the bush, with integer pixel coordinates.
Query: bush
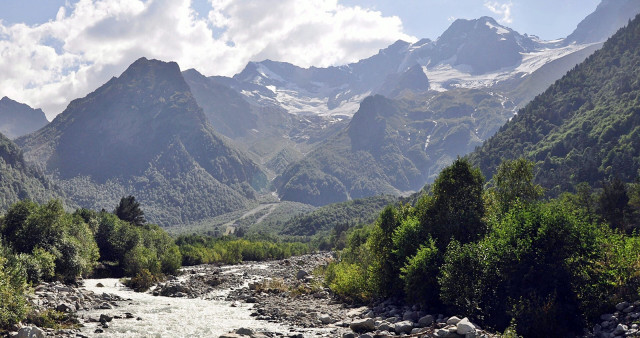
(348, 281)
(142, 281)
(419, 275)
(13, 305)
(529, 269)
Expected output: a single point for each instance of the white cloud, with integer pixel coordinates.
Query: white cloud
(50, 64)
(501, 9)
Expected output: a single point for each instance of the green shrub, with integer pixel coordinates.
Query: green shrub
(142, 281)
(348, 281)
(419, 275)
(13, 305)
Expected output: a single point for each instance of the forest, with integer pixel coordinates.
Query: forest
(500, 251)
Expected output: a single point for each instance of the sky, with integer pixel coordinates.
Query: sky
(53, 51)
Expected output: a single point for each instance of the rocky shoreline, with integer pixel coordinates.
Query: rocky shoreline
(287, 293)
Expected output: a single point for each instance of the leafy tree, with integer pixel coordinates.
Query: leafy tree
(129, 210)
(514, 183)
(613, 202)
(384, 268)
(457, 207)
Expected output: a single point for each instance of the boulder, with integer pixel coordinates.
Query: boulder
(464, 326)
(403, 327)
(426, 321)
(453, 320)
(244, 331)
(301, 274)
(363, 325)
(30, 332)
(326, 319)
(64, 307)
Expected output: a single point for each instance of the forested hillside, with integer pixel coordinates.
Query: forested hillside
(585, 127)
(18, 181)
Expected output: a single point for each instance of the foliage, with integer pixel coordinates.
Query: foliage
(13, 305)
(198, 249)
(129, 210)
(41, 233)
(514, 183)
(419, 275)
(457, 207)
(585, 127)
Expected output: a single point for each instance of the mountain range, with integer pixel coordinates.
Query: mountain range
(191, 147)
(17, 119)
(585, 127)
(143, 133)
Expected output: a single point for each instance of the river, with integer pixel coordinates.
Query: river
(173, 317)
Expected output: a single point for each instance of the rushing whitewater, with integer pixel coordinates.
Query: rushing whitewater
(171, 317)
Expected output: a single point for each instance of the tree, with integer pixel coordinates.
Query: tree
(614, 202)
(457, 207)
(514, 183)
(129, 210)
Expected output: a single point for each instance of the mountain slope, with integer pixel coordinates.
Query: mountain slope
(145, 132)
(394, 146)
(18, 181)
(17, 119)
(585, 127)
(608, 17)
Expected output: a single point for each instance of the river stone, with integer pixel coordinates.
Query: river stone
(619, 330)
(30, 332)
(426, 320)
(64, 307)
(231, 335)
(621, 306)
(453, 320)
(465, 326)
(403, 327)
(384, 326)
(325, 319)
(301, 274)
(363, 325)
(410, 315)
(105, 318)
(244, 331)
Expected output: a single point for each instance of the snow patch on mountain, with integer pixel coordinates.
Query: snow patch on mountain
(445, 76)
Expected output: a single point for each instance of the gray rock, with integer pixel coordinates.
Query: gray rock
(301, 274)
(384, 326)
(621, 306)
(244, 331)
(326, 319)
(64, 307)
(628, 309)
(403, 327)
(30, 332)
(105, 318)
(348, 335)
(366, 335)
(619, 330)
(410, 315)
(426, 320)
(464, 326)
(453, 320)
(231, 335)
(363, 325)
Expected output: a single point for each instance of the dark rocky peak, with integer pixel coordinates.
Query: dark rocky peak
(17, 119)
(413, 79)
(482, 44)
(609, 16)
